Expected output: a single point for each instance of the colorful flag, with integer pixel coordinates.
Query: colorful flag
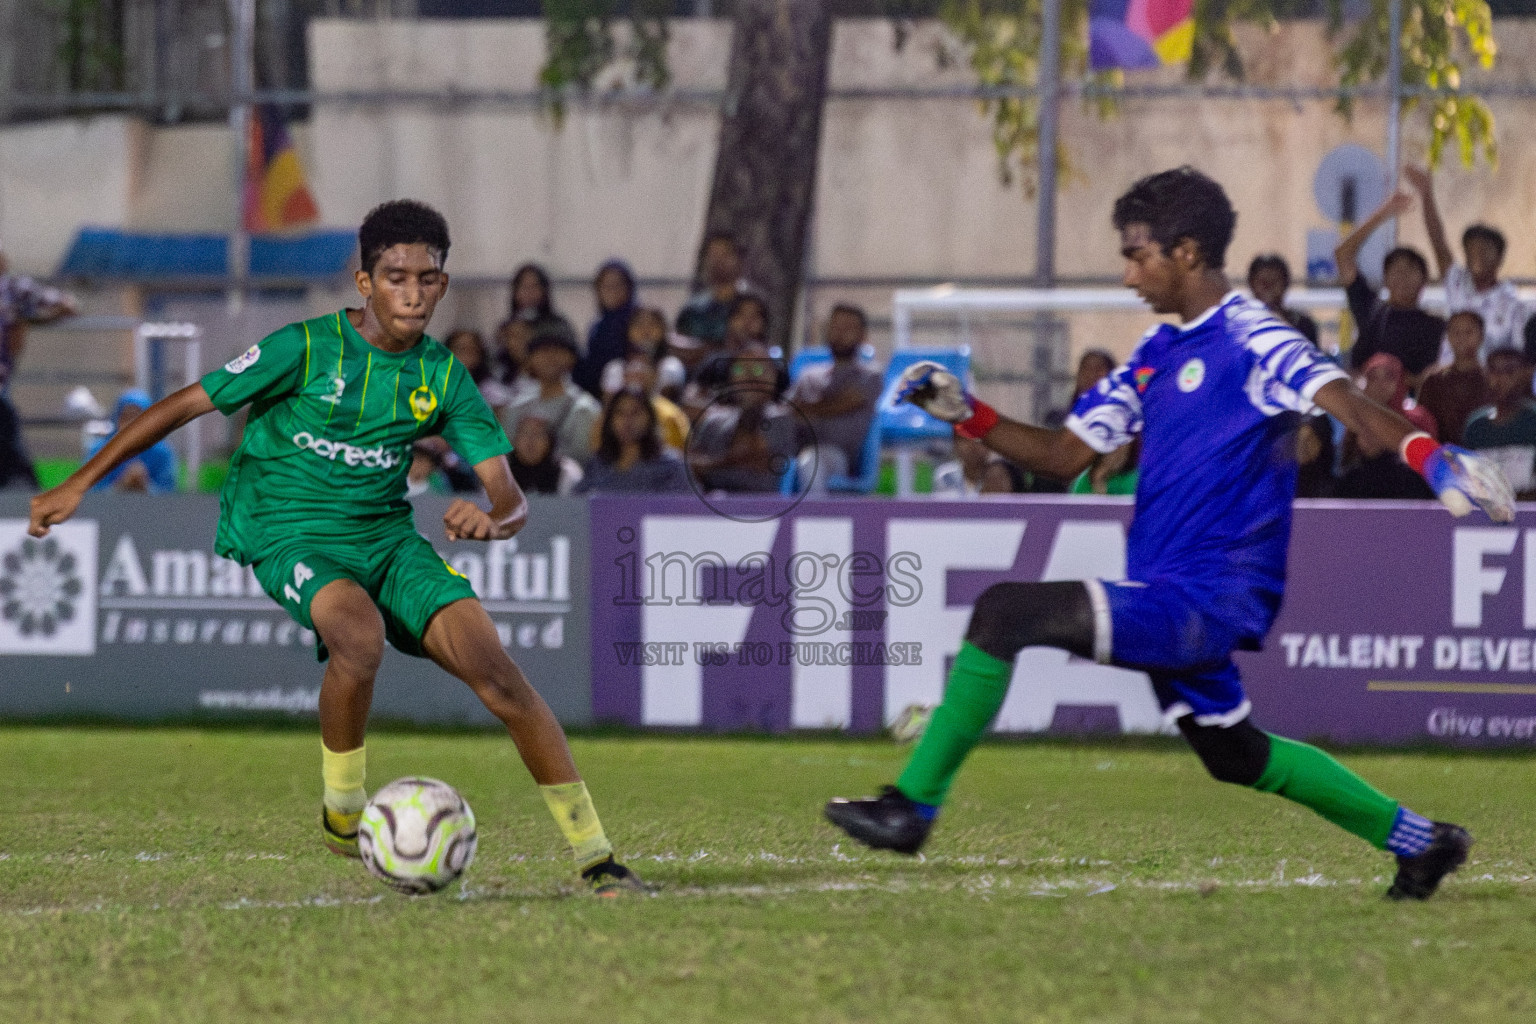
(1133, 34)
(276, 194)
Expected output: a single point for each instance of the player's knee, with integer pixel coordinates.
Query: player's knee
(1009, 617)
(358, 648)
(1000, 621)
(1237, 753)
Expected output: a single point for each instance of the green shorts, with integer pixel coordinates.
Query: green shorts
(407, 579)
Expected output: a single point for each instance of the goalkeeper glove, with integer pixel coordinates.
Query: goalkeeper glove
(1460, 479)
(940, 394)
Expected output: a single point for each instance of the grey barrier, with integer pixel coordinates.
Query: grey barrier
(126, 613)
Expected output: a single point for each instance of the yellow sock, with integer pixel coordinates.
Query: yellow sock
(571, 805)
(345, 797)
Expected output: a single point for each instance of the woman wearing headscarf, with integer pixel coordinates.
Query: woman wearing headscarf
(1372, 473)
(608, 337)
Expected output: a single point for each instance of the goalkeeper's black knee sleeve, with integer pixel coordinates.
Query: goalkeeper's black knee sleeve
(1237, 753)
(1009, 617)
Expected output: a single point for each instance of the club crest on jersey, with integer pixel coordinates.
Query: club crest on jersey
(244, 360)
(1143, 378)
(423, 403)
(1192, 375)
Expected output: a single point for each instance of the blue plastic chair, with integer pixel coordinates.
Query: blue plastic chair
(904, 426)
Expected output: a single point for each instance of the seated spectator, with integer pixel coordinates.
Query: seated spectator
(630, 458)
(1506, 430)
(151, 471)
(469, 348)
(1092, 366)
(838, 400)
(1002, 477)
(569, 411)
(648, 338)
(747, 326)
(744, 441)
(1397, 326)
(962, 476)
(1473, 285)
(608, 337)
(639, 374)
(1269, 278)
(532, 312)
(433, 460)
(704, 315)
(1372, 472)
(1452, 393)
(1115, 473)
(510, 357)
(535, 466)
(1315, 452)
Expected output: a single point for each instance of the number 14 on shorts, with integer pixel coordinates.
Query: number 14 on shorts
(301, 575)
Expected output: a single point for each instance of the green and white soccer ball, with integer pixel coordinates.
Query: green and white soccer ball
(417, 835)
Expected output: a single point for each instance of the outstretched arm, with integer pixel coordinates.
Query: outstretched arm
(465, 520)
(1055, 453)
(1420, 179)
(1346, 256)
(150, 427)
(1461, 479)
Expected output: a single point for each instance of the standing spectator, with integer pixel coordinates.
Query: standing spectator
(838, 399)
(608, 337)
(648, 340)
(705, 313)
(745, 440)
(23, 303)
(1473, 285)
(1372, 472)
(1397, 326)
(535, 465)
(1269, 278)
(1314, 458)
(962, 476)
(569, 411)
(469, 348)
(630, 457)
(153, 470)
(1506, 430)
(532, 312)
(1454, 392)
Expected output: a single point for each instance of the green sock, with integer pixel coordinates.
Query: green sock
(1310, 777)
(977, 685)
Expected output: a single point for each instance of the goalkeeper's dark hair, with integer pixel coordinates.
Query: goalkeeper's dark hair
(1179, 204)
(401, 222)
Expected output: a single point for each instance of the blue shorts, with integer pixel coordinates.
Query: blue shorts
(1179, 640)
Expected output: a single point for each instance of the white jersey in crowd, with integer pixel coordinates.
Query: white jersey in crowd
(1503, 312)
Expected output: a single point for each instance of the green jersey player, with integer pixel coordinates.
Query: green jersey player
(315, 503)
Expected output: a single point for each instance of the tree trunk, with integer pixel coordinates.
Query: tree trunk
(770, 137)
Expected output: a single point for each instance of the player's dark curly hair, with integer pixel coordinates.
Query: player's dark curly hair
(1179, 204)
(401, 222)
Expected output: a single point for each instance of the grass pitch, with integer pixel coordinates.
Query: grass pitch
(178, 875)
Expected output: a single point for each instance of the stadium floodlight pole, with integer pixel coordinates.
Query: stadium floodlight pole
(242, 82)
(1394, 99)
(1050, 107)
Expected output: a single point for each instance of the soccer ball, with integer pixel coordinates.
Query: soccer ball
(417, 835)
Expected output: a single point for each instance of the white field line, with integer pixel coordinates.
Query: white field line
(984, 886)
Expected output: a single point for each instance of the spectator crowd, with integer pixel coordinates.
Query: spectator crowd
(646, 403)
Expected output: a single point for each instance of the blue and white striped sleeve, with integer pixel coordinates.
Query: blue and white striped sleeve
(1288, 369)
(1109, 416)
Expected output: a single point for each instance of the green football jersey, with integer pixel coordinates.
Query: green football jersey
(328, 442)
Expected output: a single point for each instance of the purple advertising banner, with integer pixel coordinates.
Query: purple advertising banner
(1401, 624)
